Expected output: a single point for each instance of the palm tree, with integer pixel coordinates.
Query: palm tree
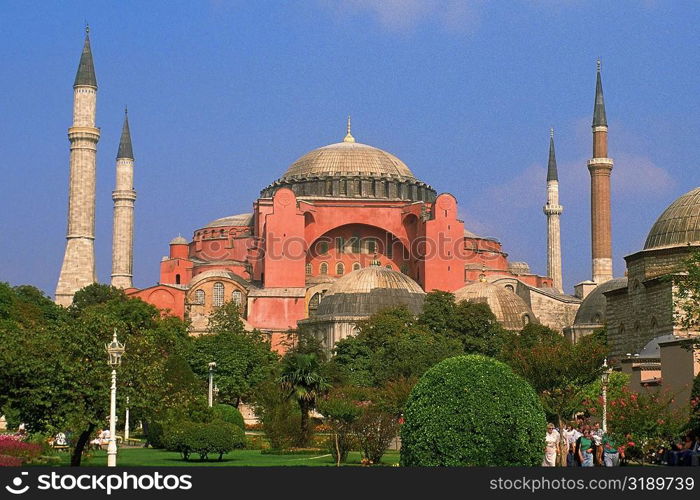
(301, 378)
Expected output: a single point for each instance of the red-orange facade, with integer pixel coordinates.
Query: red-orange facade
(299, 238)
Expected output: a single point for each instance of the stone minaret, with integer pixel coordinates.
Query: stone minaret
(78, 269)
(124, 197)
(553, 210)
(600, 167)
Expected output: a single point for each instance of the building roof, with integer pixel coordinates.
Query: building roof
(348, 158)
(511, 311)
(233, 220)
(599, 118)
(179, 240)
(678, 225)
(125, 149)
(86, 68)
(592, 310)
(552, 174)
(369, 290)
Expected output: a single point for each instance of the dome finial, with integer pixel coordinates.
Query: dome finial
(551, 132)
(598, 64)
(348, 136)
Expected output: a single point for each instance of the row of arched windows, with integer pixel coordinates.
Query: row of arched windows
(218, 295)
(339, 268)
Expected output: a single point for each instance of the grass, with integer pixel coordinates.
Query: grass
(137, 457)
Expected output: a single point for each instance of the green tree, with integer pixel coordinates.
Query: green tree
(243, 359)
(558, 371)
(301, 378)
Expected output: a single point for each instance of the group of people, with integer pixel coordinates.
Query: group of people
(586, 446)
(683, 452)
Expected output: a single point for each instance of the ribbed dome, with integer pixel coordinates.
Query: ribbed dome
(678, 225)
(369, 290)
(510, 310)
(232, 220)
(592, 309)
(348, 158)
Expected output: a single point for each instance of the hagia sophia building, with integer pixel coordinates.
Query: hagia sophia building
(348, 230)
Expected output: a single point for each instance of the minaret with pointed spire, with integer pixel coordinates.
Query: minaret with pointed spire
(600, 167)
(78, 269)
(553, 210)
(124, 197)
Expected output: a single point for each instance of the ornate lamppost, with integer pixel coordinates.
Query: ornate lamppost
(605, 378)
(115, 350)
(212, 366)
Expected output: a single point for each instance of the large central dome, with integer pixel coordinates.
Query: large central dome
(348, 158)
(349, 169)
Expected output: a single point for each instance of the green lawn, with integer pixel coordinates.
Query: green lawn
(160, 458)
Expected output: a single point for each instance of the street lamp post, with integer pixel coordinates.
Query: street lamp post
(212, 366)
(126, 423)
(115, 351)
(605, 377)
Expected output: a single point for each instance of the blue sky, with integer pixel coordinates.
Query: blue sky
(224, 95)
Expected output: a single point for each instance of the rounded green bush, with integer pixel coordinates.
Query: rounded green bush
(472, 411)
(204, 438)
(230, 414)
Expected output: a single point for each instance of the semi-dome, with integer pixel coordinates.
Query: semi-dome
(678, 225)
(350, 169)
(511, 311)
(592, 309)
(369, 290)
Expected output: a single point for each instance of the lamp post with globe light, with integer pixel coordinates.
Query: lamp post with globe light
(605, 378)
(115, 350)
(212, 366)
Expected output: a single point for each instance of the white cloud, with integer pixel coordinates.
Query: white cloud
(405, 15)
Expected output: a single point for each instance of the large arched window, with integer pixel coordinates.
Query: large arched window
(313, 303)
(218, 294)
(199, 296)
(237, 297)
(339, 269)
(323, 269)
(356, 266)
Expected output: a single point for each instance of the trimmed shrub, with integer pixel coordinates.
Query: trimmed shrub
(204, 438)
(472, 411)
(230, 414)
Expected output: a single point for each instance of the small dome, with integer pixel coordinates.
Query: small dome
(369, 290)
(348, 158)
(592, 309)
(678, 225)
(240, 220)
(519, 267)
(179, 240)
(510, 310)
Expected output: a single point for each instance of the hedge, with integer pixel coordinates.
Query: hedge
(472, 411)
(230, 414)
(204, 438)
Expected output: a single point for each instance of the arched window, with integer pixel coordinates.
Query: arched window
(339, 269)
(388, 266)
(323, 247)
(237, 297)
(356, 266)
(356, 248)
(309, 269)
(371, 246)
(199, 297)
(510, 287)
(313, 303)
(218, 294)
(177, 279)
(526, 319)
(323, 269)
